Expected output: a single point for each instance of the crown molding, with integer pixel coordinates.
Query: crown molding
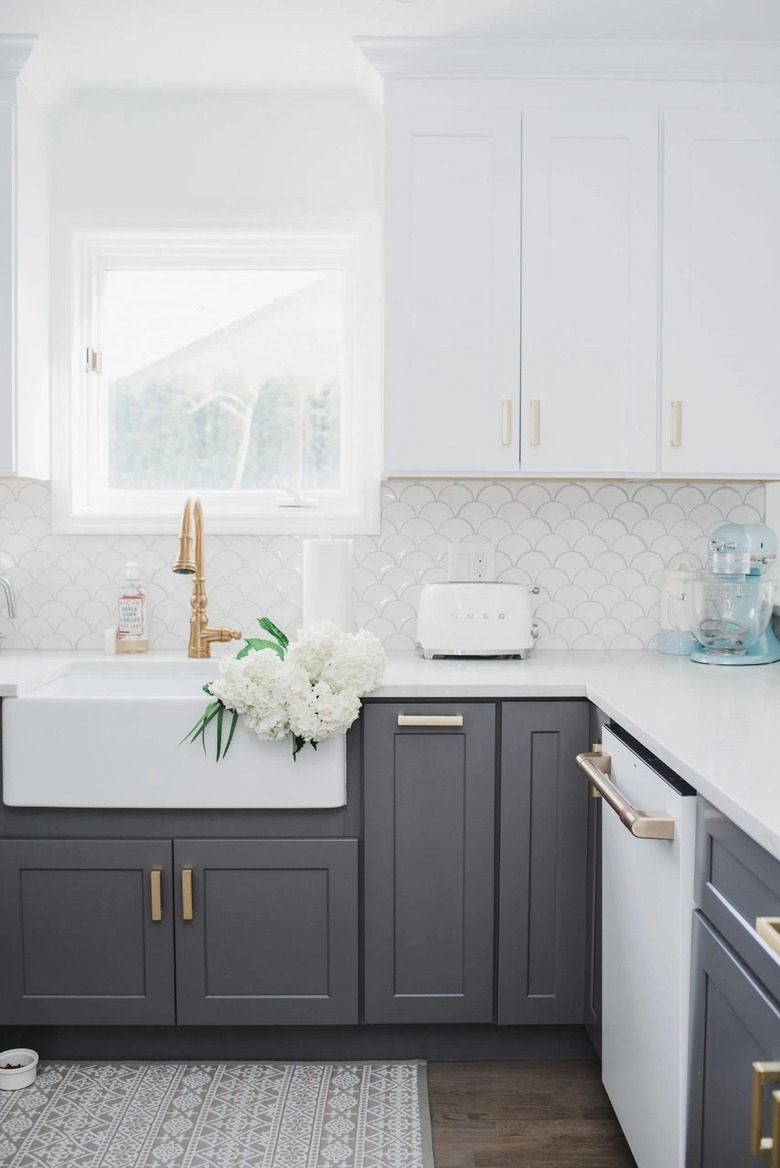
(490, 57)
(14, 51)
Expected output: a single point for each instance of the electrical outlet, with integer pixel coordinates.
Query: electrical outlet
(470, 562)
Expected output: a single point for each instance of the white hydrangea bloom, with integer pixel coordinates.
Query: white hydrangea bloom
(314, 693)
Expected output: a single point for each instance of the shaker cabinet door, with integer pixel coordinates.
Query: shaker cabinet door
(544, 830)
(721, 294)
(87, 939)
(590, 292)
(735, 1023)
(429, 797)
(266, 931)
(452, 288)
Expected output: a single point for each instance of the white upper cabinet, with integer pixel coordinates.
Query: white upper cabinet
(589, 292)
(452, 288)
(24, 286)
(721, 294)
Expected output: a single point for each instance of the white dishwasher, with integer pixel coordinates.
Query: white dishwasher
(648, 823)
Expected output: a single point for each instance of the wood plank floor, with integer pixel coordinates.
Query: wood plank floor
(523, 1115)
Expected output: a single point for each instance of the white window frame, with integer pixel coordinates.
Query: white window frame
(81, 499)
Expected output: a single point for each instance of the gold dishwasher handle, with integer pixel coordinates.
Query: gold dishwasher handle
(598, 768)
(187, 911)
(430, 719)
(768, 929)
(155, 893)
(767, 1147)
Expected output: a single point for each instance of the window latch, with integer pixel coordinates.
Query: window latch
(94, 362)
(293, 498)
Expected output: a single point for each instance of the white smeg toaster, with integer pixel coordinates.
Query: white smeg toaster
(484, 619)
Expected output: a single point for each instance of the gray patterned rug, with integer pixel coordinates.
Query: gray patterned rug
(218, 1115)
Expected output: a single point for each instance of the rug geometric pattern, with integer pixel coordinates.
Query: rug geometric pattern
(215, 1115)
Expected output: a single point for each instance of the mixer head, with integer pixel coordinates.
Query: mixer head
(741, 549)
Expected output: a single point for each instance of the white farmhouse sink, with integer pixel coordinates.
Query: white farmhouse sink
(107, 735)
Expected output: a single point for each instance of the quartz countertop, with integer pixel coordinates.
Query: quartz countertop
(718, 727)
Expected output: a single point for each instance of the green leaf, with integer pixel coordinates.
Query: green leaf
(253, 645)
(201, 723)
(271, 628)
(220, 716)
(207, 689)
(298, 745)
(233, 725)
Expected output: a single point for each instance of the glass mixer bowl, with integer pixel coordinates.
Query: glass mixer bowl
(726, 616)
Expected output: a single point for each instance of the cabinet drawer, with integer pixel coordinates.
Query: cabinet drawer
(737, 882)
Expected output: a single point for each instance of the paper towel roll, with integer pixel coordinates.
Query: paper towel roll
(327, 582)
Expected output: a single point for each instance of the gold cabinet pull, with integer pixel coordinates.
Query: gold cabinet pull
(536, 414)
(768, 929)
(430, 719)
(598, 768)
(767, 1147)
(506, 421)
(187, 912)
(676, 423)
(155, 890)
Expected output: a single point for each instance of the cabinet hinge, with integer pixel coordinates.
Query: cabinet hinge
(93, 363)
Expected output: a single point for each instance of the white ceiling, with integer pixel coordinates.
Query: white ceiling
(244, 45)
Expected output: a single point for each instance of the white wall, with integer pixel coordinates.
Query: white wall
(270, 156)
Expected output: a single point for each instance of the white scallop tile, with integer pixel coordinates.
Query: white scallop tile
(416, 495)
(495, 495)
(456, 529)
(608, 628)
(589, 612)
(515, 546)
(591, 513)
(553, 512)
(572, 495)
(571, 529)
(553, 546)
(569, 595)
(456, 495)
(534, 495)
(669, 547)
(514, 513)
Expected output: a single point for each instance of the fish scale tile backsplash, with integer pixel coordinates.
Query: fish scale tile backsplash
(596, 550)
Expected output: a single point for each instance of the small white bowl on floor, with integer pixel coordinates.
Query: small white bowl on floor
(22, 1075)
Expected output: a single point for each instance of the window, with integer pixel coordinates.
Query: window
(237, 367)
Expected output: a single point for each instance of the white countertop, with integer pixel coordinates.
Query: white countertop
(718, 727)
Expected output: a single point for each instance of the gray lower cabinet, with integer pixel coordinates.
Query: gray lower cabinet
(79, 942)
(736, 1023)
(429, 855)
(272, 934)
(543, 858)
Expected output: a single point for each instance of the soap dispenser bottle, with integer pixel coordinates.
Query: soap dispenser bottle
(131, 613)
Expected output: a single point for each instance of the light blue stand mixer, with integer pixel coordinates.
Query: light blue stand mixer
(732, 603)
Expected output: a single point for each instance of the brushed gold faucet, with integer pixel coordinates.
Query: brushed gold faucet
(189, 562)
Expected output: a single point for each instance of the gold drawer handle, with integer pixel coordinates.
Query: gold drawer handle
(598, 768)
(767, 1147)
(430, 719)
(187, 912)
(506, 421)
(768, 929)
(676, 423)
(536, 418)
(155, 889)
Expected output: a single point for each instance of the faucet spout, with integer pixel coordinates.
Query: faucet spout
(189, 562)
(10, 599)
